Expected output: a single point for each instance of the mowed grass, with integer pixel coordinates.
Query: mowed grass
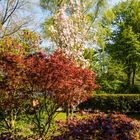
(62, 116)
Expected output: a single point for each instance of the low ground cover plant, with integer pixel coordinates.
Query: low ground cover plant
(99, 127)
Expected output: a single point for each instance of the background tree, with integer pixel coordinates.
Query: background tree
(11, 16)
(124, 43)
(117, 49)
(109, 74)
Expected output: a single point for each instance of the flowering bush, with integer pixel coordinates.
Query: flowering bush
(99, 127)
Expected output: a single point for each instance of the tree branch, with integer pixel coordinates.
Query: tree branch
(10, 14)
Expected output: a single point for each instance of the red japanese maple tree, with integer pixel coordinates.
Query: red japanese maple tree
(44, 83)
(68, 83)
(53, 81)
(58, 76)
(39, 101)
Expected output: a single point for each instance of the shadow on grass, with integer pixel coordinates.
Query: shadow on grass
(134, 116)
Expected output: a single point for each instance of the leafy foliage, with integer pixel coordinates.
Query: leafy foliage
(40, 84)
(59, 76)
(27, 42)
(60, 84)
(100, 127)
(123, 45)
(12, 53)
(124, 103)
(73, 84)
(11, 100)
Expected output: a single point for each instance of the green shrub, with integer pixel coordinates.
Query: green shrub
(124, 103)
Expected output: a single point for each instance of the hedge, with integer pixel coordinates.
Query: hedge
(124, 103)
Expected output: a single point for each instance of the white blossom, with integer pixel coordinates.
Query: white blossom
(68, 33)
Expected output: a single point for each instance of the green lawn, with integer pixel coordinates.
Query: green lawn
(62, 116)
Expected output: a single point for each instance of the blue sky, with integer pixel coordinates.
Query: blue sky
(112, 2)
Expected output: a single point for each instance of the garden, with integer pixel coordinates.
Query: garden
(77, 78)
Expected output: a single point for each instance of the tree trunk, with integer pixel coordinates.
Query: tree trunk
(133, 77)
(128, 79)
(67, 113)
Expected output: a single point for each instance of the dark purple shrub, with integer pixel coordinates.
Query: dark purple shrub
(99, 127)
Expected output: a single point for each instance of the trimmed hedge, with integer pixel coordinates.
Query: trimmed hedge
(124, 103)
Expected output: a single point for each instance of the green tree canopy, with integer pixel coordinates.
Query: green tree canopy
(124, 44)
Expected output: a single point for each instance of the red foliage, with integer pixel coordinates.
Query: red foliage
(69, 83)
(99, 126)
(34, 73)
(38, 82)
(55, 75)
(10, 82)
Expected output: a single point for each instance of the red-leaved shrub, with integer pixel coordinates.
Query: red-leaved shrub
(100, 127)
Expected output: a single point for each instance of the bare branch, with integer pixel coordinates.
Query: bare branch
(6, 12)
(12, 20)
(10, 14)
